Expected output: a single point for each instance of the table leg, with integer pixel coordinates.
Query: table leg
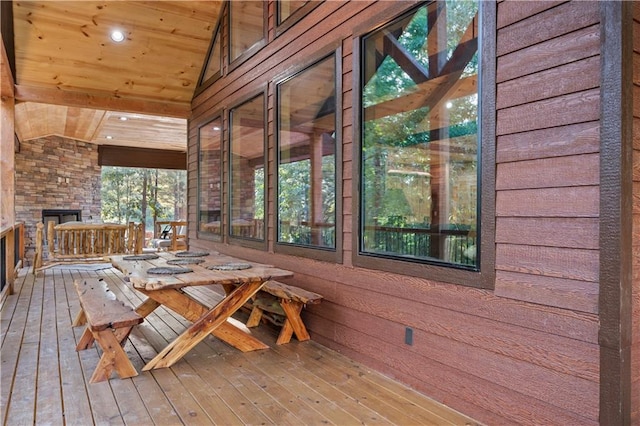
(146, 307)
(192, 310)
(204, 325)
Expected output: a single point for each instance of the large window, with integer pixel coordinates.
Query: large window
(246, 27)
(419, 158)
(306, 157)
(209, 176)
(214, 58)
(247, 151)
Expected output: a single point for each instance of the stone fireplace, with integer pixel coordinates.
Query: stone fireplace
(56, 179)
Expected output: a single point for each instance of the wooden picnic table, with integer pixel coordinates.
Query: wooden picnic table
(240, 286)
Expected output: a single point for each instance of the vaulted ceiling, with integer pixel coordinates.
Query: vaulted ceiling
(73, 80)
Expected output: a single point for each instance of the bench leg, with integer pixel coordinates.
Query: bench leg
(113, 357)
(86, 340)
(254, 317)
(81, 319)
(293, 323)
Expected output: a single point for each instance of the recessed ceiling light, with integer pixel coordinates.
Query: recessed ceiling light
(109, 137)
(117, 36)
(123, 118)
(216, 128)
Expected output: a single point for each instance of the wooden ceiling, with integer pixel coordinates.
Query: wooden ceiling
(72, 80)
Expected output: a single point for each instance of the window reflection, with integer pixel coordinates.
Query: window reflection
(306, 160)
(214, 60)
(246, 26)
(419, 156)
(247, 170)
(209, 176)
(287, 8)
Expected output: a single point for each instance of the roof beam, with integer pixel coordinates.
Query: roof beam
(125, 156)
(53, 96)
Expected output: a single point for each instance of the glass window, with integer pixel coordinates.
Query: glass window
(247, 191)
(419, 148)
(306, 157)
(209, 176)
(246, 26)
(287, 8)
(214, 60)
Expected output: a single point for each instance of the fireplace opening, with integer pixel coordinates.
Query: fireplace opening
(59, 216)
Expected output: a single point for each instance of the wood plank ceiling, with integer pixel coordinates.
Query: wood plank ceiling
(72, 80)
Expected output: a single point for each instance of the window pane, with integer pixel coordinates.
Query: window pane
(287, 8)
(209, 176)
(247, 170)
(306, 161)
(247, 26)
(214, 59)
(419, 156)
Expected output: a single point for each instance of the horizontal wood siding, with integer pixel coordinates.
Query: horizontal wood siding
(547, 178)
(635, 318)
(527, 352)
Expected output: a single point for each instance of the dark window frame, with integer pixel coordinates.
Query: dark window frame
(217, 33)
(484, 277)
(212, 236)
(313, 252)
(231, 239)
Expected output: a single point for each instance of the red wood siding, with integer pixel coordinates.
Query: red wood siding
(635, 340)
(527, 352)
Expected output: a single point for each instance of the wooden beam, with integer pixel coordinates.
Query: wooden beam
(6, 79)
(47, 95)
(123, 156)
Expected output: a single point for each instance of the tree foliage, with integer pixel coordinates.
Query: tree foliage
(128, 194)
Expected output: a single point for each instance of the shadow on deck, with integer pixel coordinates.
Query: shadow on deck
(45, 381)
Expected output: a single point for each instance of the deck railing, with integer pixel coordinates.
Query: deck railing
(451, 245)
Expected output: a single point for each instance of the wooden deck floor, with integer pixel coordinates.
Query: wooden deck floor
(45, 381)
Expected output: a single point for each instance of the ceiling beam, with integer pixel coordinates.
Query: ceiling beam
(125, 156)
(85, 100)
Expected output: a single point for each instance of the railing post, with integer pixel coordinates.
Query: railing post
(50, 237)
(37, 260)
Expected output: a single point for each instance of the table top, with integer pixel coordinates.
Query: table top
(137, 271)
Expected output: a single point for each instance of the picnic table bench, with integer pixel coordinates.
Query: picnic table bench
(284, 300)
(109, 322)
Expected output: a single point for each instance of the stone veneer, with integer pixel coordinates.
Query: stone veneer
(56, 173)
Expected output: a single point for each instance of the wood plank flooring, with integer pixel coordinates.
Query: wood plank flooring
(45, 381)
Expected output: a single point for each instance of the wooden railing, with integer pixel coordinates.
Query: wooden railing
(11, 256)
(451, 245)
(82, 242)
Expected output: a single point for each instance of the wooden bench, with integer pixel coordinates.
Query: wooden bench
(287, 301)
(109, 322)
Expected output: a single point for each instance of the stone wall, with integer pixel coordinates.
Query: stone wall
(56, 173)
